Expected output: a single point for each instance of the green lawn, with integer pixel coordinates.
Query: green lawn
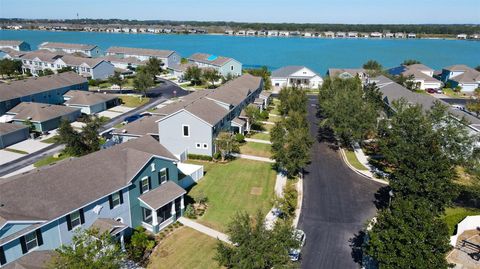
(50, 140)
(352, 159)
(133, 101)
(268, 127)
(50, 159)
(261, 136)
(16, 151)
(453, 215)
(240, 185)
(451, 93)
(256, 149)
(185, 248)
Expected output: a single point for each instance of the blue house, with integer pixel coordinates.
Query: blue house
(17, 45)
(136, 183)
(47, 89)
(465, 77)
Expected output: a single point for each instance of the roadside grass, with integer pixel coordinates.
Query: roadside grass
(453, 215)
(185, 248)
(16, 151)
(256, 149)
(118, 126)
(268, 127)
(261, 136)
(352, 159)
(51, 140)
(50, 160)
(452, 93)
(237, 186)
(133, 101)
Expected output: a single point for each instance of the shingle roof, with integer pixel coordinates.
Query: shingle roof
(76, 61)
(162, 195)
(39, 259)
(286, 71)
(470, 76)
(57, 45)
(13, 53)
(39, 112)
(334, 72)
(143, 126)
(207, 110)
(127, 60)
(68, 185)
(87, 98)
(209, 59)
(42, 55)
(10, 42)
(420, 67)
(6, 128)
(235, 91)
(458, 67)
(141, 52)
(110, 226)
(29, 86)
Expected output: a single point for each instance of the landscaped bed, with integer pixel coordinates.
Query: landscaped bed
(256, 149)
(453, 215)
(185, 248)
(240, 185)
(352, 159)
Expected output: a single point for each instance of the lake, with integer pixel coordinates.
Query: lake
(274, 52)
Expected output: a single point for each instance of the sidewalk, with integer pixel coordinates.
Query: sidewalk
(254, 158)
(258, 141)
(363, 173)
(204, 229)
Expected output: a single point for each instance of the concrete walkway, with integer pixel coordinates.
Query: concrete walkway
(258, 141)
(254, 158)
(364, 173)
(204, 229)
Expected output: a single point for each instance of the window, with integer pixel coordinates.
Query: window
(31, 241)
(186, 130)
(147, 215)
(75, 220)
(205, 146)
(115, 199)
(3, 260)
(145, 185)
(198, 145)
(163, 176)
(231, 67)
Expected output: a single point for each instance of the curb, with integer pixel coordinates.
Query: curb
(342, 153)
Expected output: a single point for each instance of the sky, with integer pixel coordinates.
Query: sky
(298, 11)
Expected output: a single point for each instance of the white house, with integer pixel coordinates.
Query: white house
(352, 34)
(376, 35)
(462, 36)
(412, 35)
(296, 75)
(399, 35)
(224, 65)
(341, 34)
(421, 75)
(88, 50)
(168, 57)
(389, 35)
(329, 34)
(465, 77)
(17, 45)
(272, 33)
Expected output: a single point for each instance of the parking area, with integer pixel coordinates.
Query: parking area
(115, 112)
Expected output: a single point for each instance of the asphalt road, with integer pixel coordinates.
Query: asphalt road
(336, 204)
(158, 95)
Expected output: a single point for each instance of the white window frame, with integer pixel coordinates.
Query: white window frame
(72, 220)
(144, 220)
(32, 240)
(183, 130)
(145, 179)
(198, 145)
(205, 146)
(116, 201)
(163, 170)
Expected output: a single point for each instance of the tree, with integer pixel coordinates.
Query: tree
(411, 62)
(292, 99)
(65, 69)
(78, 144)
(153, 67)
(89, 135)
(89, 250)
(211, 75)
(408, 235)
(193, 74)
(254, 246)
(30, 125)
(253, 114)
(142, 82)
(116, 79)
(407, 81)
(473, 104)
(373, 67)
(226, 144)
(9, 67)
(264, 73)
(140, 245)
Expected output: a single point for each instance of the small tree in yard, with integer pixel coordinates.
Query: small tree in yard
(211, 75)
(89, 250)
(411, 62)
(140, 245)
(473, 104)
(226, 144)
(142, 82)
(373, 67)
(116, 79)
(194, 75)
(78, 144)
(153, 67)
(253, 114)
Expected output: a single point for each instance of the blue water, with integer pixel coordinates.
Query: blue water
(318, 54)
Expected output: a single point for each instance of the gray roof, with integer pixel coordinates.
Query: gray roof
(209, 59)
(143, 126)
(162, 195)
(458, 67)
(44, 56)
(392, 91)
(29, 86)
(67, 186)
(287, 71)
(76, 61)
(333, 72)
(87, 98)
(239, 121)
(140, 52)
(39, 259)
(207, 110)
(420, 67)
(11, 42)
(39, 112)
(6, 128)
(127, 60)
(235, 91)
(57, 45)
(110, 226)
(13, 53)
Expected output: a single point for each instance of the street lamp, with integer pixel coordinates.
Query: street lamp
(390, 194)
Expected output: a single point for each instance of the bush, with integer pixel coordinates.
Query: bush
(93, 82)
(217, 156)
(190, 212)
(200, 198)
(288, 203)
(264, 115)
(240, 138)
(200, 157)
(140, 245)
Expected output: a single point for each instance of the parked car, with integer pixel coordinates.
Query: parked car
(440, 91)
(132, 118)
(295, 253)
(431, 91)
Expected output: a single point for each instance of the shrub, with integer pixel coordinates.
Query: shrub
(288, 203)
(264, 115)
(200, 157)
(190, 212)
(240, 138)
(140, 245)
(201, 198)
(217, 156)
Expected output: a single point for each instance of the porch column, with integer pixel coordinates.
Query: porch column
(172, 212)
(154, 221)
(122, 241)
(182, 206)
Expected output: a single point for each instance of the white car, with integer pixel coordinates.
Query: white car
(295, 253)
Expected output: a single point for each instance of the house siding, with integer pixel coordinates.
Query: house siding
(102, 70)
(13, 137)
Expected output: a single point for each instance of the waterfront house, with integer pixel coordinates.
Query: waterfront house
(251, 33)
(341, 35)
(137, 183)
(229, 32)
(421, 75)
(352, 34)
(82, 49)
(8, 53)
(399, 35)
(284, 33)
(191, 125)
(47, 89)
(89, 102)
(462, 36)
(272, 33)
(389, 35)
(461, 76)
(224, 65)
(346, 73)
(17, 45)
(300, 76)
(376, 35)
(12, 133)
(168, 57)
(241, 33)
(44, 117)
(329, 34)
(307, 34)
(411, 35)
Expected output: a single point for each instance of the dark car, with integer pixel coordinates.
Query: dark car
(431, 91)
(132, 118)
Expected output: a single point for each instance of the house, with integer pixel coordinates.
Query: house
(389, 35)
(168, 57)
(399, 35)
(224, 65)
(241, 32)
(272, 33)
(17, 45)
(88, 50)
(284, 33)
(422, 75)
(329, 34)
(191, 125)
(178, 70)
(89, 102)
(137, 183)
(341, 34)
(251, 33)
(229, 32)
(352, 34)
(461, 76)
(376, 35)
(147, 125)
(462, 36)
(12, 133)
(307, 34)
(127, 63)
(47, 89)
(301, 76)
(346, 73)
(8, 53)
(411, 35)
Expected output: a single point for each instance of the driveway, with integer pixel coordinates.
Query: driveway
(336, 204)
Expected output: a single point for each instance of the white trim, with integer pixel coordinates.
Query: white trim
(173, 200)
(148, 184)
(184, 110)
(204, 146)
(21, 222)
(198, 145)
